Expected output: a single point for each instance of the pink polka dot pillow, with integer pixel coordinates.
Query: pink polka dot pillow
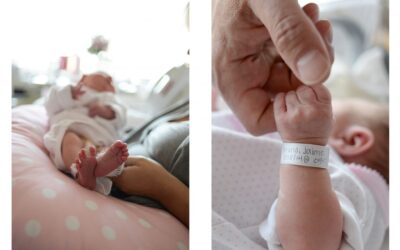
(50, 211)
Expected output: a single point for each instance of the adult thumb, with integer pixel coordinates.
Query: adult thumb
(295, 37)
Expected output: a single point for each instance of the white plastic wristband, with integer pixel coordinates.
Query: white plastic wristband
(307, 155)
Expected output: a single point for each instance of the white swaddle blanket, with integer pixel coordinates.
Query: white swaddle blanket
(245, 182)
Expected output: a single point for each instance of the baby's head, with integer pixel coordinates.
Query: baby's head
(98, 81)
(361, 133)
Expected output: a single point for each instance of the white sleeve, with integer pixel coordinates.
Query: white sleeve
(359, 210)
(58, 99)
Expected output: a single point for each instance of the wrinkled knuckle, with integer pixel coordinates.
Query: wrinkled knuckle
(296, 115)
(312, 113)
(305, 91)
(288, 31)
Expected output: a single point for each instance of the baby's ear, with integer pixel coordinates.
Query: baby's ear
(354, 141)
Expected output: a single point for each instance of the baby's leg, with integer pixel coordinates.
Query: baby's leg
(73, 152)
(111, 158)
(70, 148)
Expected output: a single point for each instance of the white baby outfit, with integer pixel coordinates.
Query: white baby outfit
(245, 182)
(65, 113)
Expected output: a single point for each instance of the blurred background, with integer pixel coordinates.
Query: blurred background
(361, 42)
(142, 44)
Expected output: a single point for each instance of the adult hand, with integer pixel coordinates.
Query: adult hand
(143, 176)
(262, 47)
(304, 115)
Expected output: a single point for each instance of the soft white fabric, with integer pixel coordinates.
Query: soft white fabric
(103, 184)
(65, 113)
(245, 187)
(376, 183)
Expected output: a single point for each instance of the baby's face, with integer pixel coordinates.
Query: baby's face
(99, 83)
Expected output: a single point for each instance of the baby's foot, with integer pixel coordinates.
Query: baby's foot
(111, 159)
(86, 165)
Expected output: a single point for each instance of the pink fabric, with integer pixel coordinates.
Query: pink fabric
(50, 211)
(376, 183)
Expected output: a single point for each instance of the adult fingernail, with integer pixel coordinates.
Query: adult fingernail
(313, 67)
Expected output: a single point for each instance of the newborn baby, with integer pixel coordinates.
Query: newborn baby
(86, 119)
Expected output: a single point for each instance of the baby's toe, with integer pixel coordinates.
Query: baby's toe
(119, 144)
(78, 164)
(82, 154)
(92, 151)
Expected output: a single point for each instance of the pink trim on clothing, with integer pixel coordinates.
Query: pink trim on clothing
(376, 184)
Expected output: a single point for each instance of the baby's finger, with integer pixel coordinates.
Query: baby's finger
(322, 93)
(279, 104)
(306, 94)
(291, 100)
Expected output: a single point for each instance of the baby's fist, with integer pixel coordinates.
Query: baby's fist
(304, 115)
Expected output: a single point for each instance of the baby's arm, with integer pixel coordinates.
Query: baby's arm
(112, 110)
(61, 98)
(308, 214)
(98, 109)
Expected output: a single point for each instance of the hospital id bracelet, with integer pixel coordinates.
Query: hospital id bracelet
(308, 155)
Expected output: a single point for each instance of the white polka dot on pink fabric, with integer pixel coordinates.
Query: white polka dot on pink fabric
(49, 193)
(121, 214)
(72, 223)
(91, 205)
(61, 182)
(165, 214)
(181, 246)
(108, 233)
(33, 228)
(145, 223)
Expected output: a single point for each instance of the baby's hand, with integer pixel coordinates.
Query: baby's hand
(104, 111)
(76, 91)
(304, 115)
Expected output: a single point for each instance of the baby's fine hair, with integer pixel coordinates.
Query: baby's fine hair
(380, 128)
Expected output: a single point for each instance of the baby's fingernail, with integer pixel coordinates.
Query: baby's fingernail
(313, 67)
